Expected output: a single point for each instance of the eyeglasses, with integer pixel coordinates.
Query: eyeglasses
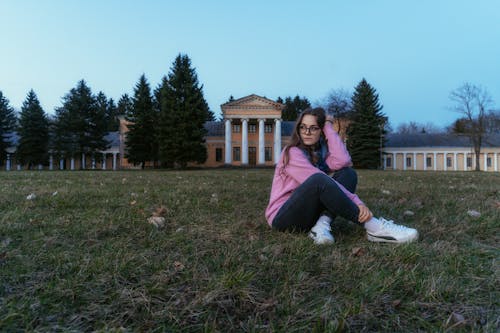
(312, 130)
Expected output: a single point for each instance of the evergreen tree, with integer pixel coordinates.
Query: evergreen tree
(112, 121)
(7, 125)
(80, 125)
(365, 133)
(141, 140)
(293, 107)
(110, 111)
(125, 105)
(183, 113)
(33, 133)
(157, 94)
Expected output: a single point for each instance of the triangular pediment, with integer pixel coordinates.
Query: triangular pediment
(252, 101)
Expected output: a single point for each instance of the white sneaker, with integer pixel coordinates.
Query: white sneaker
(321, 234)
(390, 232)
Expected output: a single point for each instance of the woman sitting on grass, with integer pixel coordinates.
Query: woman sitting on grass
(305, 198)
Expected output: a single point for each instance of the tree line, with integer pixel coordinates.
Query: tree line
(166, 126)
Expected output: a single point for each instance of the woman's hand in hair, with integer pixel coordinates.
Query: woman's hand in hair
(364, 214)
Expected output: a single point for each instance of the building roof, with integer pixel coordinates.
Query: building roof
(397, 140)
(252, 99)
(112, 137)
(215, 128)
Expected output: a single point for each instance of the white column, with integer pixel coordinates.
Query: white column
(385, 162)
(61, 164)
(93, 163)
(228, 141)
(465, 160)
(445, 160)
(277, 140)
(455, 161)
(51, 162)
(485, 163)
(394, 161)
(414, 161)
(114, 161)
(104, 161)
(7, 165)
(404, 161)
(83, 162)
(261, 142)
(425, 161)
(496, 161)
(72, 163)
(244, 141)
(434, 161)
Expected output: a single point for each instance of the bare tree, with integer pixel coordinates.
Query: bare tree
(407, 128)
(474, 104)
(413, 127)
(338, 104)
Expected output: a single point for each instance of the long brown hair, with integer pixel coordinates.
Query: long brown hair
(296, 140)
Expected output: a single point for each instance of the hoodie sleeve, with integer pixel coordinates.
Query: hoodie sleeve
(299, 168)
(338, 157)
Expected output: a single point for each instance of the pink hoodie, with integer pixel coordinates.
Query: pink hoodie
(287, 179)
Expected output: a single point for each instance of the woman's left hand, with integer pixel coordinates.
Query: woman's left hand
(364, 214)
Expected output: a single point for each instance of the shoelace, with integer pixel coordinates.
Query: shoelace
(390, 224)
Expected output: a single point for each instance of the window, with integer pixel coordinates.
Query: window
(408, 161)
(236, 154)
(488, 162)
(268, 128)
(448, 162)
(236, 128)
(428, 162)
(268, 153)
(469, 162)
(388, 162)
(252, 128)
(218, 154)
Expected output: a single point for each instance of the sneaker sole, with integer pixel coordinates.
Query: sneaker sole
(408, 239)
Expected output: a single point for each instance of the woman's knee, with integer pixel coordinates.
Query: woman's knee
(318, 178)
(348, 177)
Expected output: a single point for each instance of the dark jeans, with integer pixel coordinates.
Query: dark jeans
(319, 193)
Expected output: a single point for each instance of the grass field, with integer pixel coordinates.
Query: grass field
(81, 256)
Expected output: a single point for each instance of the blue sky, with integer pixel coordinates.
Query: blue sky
(413, 52)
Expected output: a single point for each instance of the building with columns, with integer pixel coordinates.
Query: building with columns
(109, 159)
(439, 152)
(250, 134)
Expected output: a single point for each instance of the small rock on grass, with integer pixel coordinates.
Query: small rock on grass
(408, 213)
(455, 320)
(157, 221)
(473, 213)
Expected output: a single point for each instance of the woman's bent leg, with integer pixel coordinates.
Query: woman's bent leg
(317, 193)
(347, 177)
